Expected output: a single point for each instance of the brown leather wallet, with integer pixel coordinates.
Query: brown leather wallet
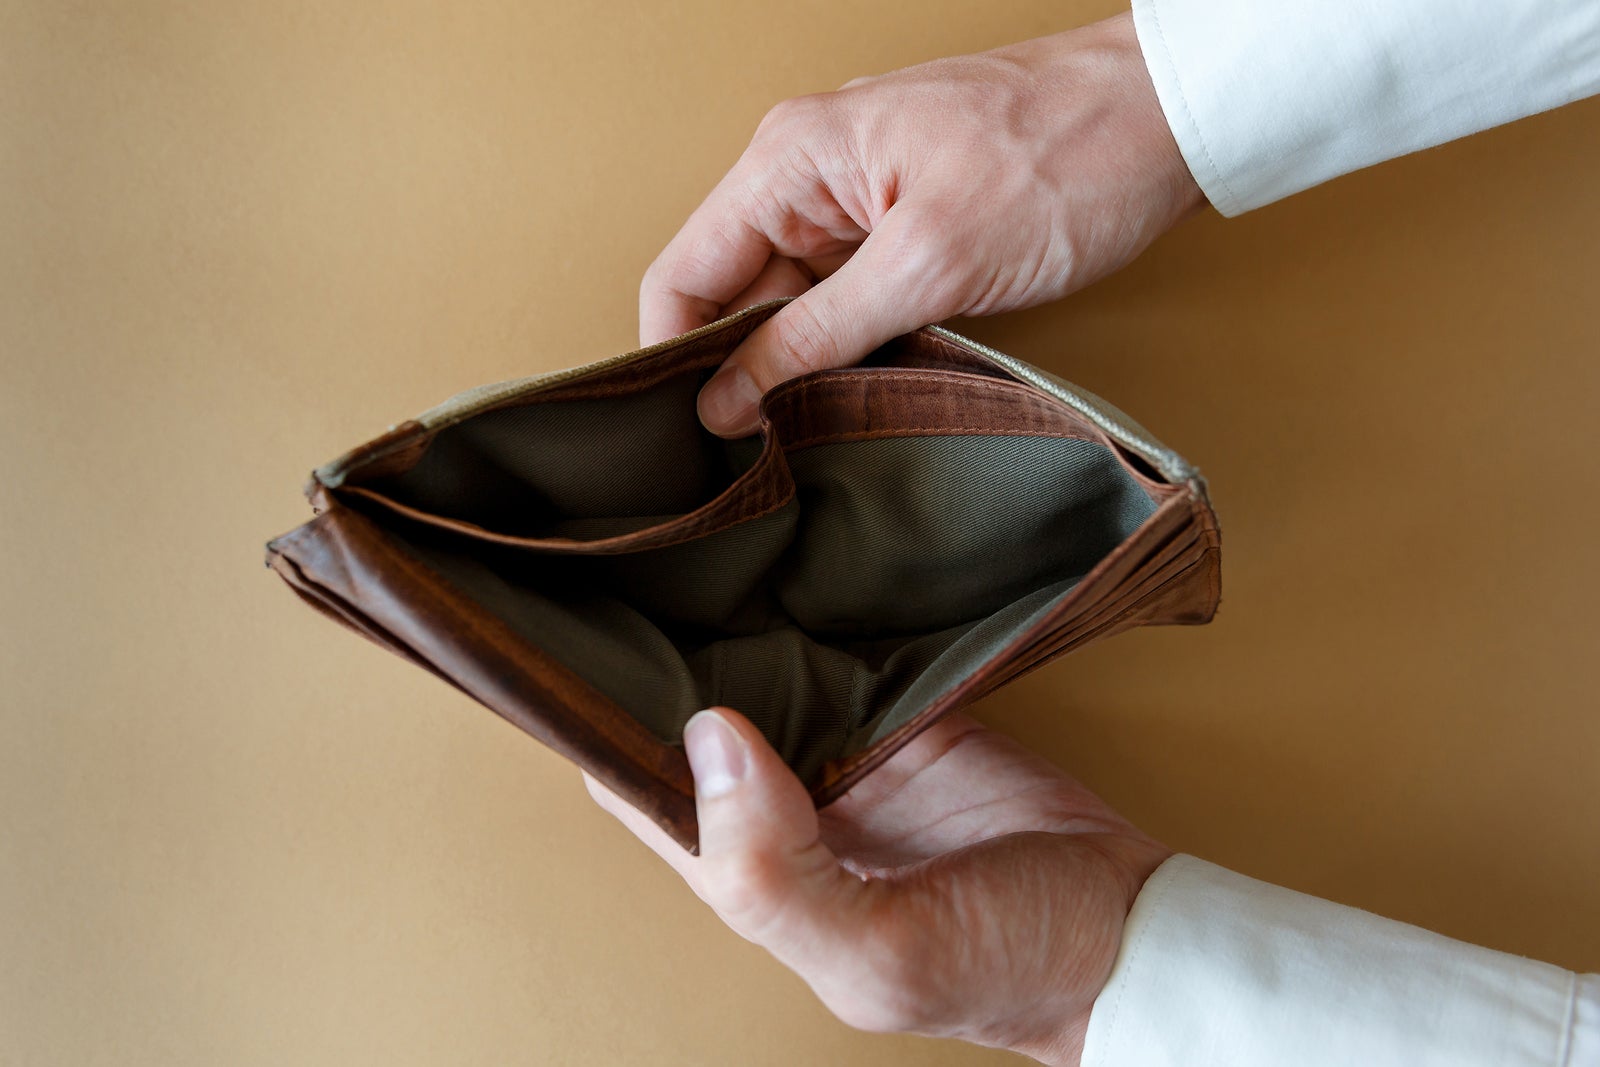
(577, 553)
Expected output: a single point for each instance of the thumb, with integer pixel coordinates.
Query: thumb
(762, 865)
(886, 289)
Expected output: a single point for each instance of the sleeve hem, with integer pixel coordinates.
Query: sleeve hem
(1216, 968)
(1267, 99)
(1163, 70)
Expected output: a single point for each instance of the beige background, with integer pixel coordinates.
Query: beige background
(235, 239)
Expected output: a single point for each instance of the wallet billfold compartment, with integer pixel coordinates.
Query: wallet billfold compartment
(576, 552)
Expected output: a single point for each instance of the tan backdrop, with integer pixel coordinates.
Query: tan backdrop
(236, 238)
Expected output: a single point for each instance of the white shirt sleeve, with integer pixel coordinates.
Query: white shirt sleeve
(1219, 969)
(1269, 97)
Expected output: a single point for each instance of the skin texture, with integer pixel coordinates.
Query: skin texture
(970, 185)
(967, 888)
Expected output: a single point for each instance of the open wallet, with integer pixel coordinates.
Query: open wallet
(577, 553)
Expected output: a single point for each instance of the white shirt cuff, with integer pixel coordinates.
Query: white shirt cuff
(1269, 97)
(1217, 968)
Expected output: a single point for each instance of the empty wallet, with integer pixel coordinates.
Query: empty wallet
(576, 552)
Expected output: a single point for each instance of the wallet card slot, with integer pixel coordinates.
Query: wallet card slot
(1166, 542)
(857, 404)
(1168, 565)
(1168, 584)
(581, 474)
(761, 490)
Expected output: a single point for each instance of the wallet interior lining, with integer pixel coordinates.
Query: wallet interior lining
(906, 526)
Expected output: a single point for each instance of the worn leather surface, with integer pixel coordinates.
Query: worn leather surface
(345, 564)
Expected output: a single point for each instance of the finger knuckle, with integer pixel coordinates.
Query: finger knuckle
(744, 889)
(650, 283)
(815, 119)
(803, 340)
(786, 115)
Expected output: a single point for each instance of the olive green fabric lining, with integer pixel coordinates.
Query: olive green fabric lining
(576, 468)
(899, 567)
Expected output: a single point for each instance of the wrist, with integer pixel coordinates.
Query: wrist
(1146, 117)
(1108, 56)
(1126, 863)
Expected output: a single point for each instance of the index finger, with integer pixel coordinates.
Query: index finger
(717, 253)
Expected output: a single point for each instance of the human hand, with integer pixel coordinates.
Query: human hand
(964, 186)
(967, 888)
